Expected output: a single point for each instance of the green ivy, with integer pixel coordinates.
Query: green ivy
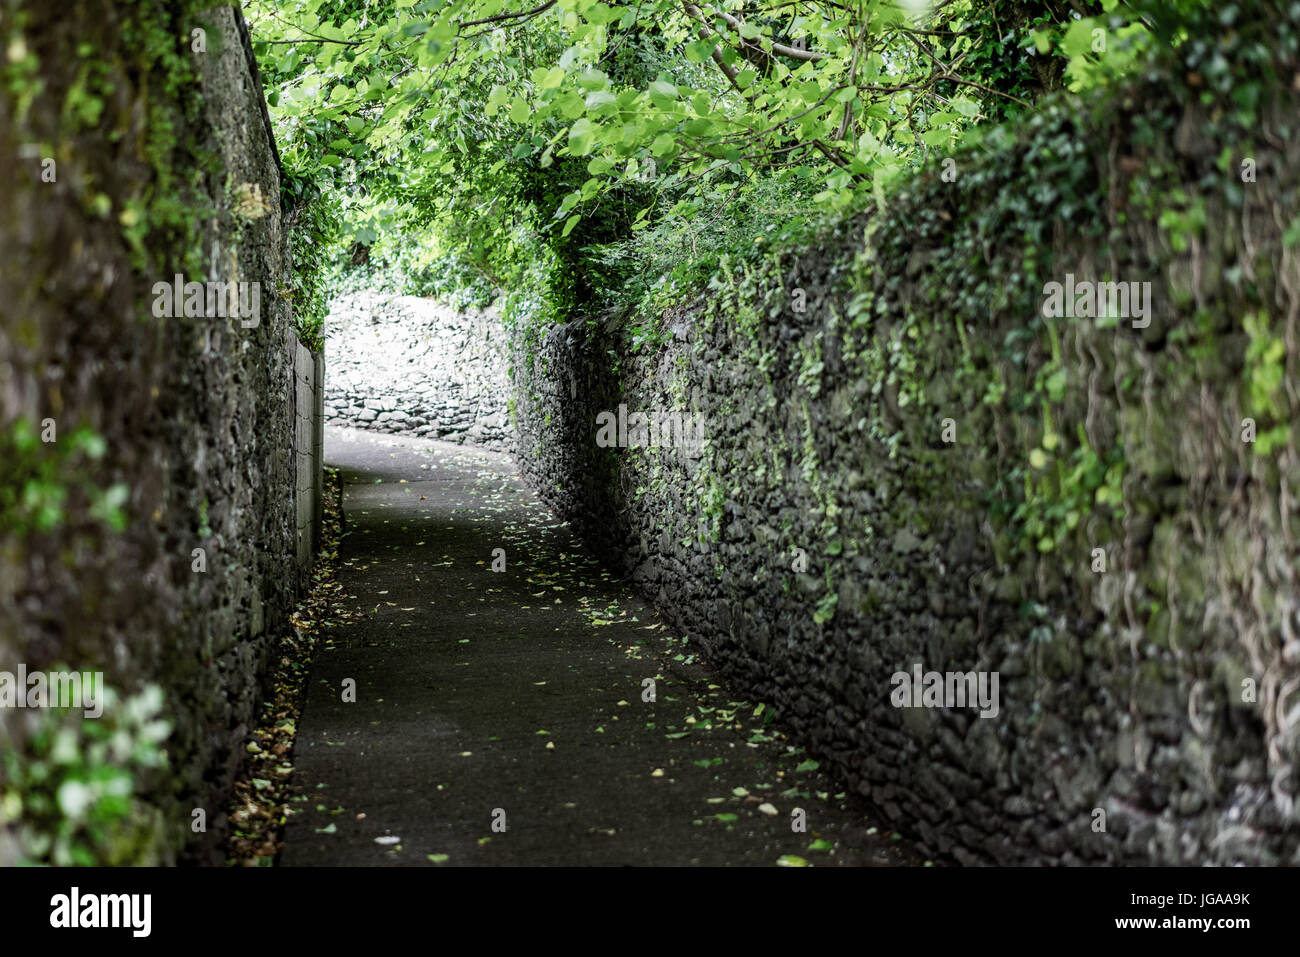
(69, 797)
(42, 483)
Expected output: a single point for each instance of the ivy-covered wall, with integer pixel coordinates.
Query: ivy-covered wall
(150, 478)
(908, 463)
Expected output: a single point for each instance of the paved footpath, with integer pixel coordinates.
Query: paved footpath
(500, 716)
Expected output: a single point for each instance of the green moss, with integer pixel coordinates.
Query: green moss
(45, 484)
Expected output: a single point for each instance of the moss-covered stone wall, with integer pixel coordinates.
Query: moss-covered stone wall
(909, 460)
(148, 514)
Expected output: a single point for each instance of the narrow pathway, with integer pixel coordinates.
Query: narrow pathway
(517, 697)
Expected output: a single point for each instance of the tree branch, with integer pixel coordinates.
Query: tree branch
(527, 14)
(793, 52)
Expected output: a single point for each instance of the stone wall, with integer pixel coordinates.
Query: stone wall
(162, 535)
(309, 422)
(406, 364)
(908, 464)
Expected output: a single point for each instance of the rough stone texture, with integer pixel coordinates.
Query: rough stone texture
(206, 421)
(1120, 692)
(308, 454)
(402, 364)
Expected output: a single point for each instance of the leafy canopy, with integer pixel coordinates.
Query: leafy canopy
(520, 139)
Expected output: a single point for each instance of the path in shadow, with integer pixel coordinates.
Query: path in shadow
(481, 692)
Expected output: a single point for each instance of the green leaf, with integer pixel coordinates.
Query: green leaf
(663, 145)
(496, 99)
(581, 135)
(571, 105)
(599, 100)
(552, 78)
(698, 51)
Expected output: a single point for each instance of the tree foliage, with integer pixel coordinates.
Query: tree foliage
(493, 146)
